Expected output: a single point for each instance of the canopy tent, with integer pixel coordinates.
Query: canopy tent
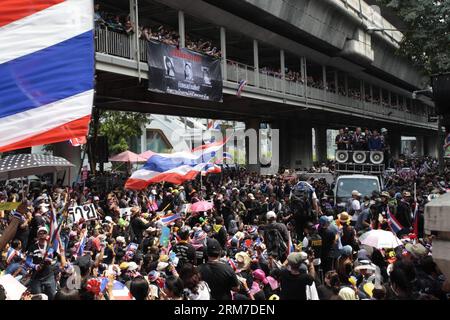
(23, 165)
(127, 156)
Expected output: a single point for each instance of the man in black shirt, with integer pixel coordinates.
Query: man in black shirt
(137, 225)
(342, 140)
(183, 249)
(292, 281)
(328, 240)
(220, 277)
(43, 265)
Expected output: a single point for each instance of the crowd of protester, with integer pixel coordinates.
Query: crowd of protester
(265, 238)
(367, 140)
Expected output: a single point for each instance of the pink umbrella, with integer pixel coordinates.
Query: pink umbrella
(146, 154)
(127, 156)
(201, 206)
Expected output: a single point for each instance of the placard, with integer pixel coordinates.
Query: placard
(86, 212)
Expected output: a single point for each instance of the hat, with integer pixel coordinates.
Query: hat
(260, 275)
(120, 239)
(153, 192)
(362, 255)
(356, 193)
(42, 229)
(407, 194)
(108, 219)
(271, 215)
(153, 275)
(324, 220)
(383, 130)
(296, 258)
(162, 266)
(347, 293)
(132, 266)
(344, 217)
(347, 250)
(251, 196)
(243, 260)
(213, 247)
(274, 297)
(96, 198)
(385, 194)
(417, 250)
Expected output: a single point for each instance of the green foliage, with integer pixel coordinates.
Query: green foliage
(427, 38)
(119, 127)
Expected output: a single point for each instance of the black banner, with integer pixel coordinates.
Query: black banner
(183, 72)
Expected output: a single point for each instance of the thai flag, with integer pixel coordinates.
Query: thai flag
(47, 69)
(211, 168)
(395, 226)
(81, 244)
(213, 124)
(241, 86)
(120, 291)
(168, 219)
(174, 168)
(76, 142)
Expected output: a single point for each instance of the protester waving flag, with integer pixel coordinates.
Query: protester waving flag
(395, 226)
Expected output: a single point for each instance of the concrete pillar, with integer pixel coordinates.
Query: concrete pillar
(431, 146)
(223, 51)
(144, 138)
(282, 67)
(181, 30)
(72, 154)
(133, 49)
(420, 145)
(321, 143)
(252, 145)
(395, 142)
(256, 62)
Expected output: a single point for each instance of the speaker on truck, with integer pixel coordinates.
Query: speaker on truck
(376, 157)
(359, 157)
(342, 156)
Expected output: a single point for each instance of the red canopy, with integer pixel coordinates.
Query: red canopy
(146, 154)
(127, 156)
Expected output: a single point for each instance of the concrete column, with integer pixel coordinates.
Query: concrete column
(420, 145)
(144, 138)
(252, 145)
(299, 146)
(72, 154)
(133, 49)
(282, 67)
(395, 142)
(321, 143)
(256, 61)
(431, 146)
(362, 91)
(181, 30)
(223, 50)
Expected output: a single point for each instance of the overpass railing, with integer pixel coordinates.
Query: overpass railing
(121, 45)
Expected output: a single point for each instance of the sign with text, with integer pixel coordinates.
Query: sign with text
(86, 212)
(9, 205)
(183, 72)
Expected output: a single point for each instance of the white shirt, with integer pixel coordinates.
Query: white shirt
(203, 292)
(356, 207)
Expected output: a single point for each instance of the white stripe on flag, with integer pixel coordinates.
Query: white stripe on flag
(42, 119)
(45, 28)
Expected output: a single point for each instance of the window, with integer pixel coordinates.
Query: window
(157, 141)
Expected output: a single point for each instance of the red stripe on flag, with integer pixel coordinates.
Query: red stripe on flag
(75, 128)
(171, 177)
(12, 10)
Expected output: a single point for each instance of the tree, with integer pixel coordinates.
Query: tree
(119, 127)
(426, 41)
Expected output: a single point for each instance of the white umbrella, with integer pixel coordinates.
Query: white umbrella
(380, 239)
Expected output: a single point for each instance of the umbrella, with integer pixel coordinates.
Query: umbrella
(23, 165)
(201, 206)
(380, 239)
(127, 156)
(146, 154)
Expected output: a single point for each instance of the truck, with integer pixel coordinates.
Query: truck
(345, 184)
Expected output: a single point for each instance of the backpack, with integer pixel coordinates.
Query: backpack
(275, 243)
(301, 199)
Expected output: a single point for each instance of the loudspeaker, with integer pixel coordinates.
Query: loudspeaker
(441, 92)
(342, 156)
(99, 149)
(359, 157)
(376, 157)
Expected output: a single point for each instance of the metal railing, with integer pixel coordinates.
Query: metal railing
(119, 44)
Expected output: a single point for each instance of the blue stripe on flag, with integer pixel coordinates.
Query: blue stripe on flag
(48, 75)
(160, 164)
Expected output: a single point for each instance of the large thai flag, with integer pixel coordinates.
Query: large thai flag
(174, 167)
(46, 71)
